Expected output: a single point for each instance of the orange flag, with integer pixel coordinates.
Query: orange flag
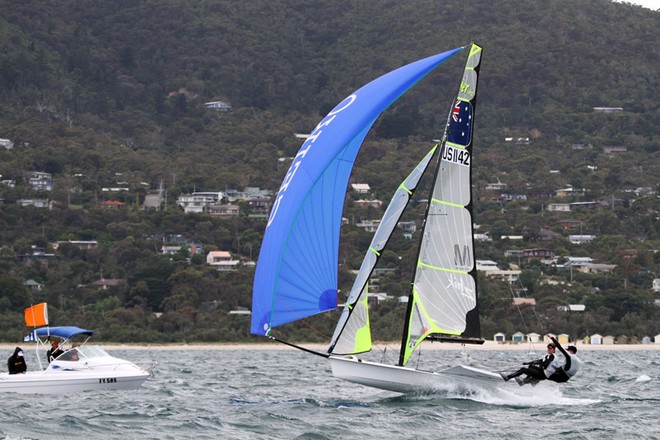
(37, 315)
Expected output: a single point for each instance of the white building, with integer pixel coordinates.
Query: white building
(580, 239)
(656, 285)
(221, 260)
(361, 188)
(198, 201)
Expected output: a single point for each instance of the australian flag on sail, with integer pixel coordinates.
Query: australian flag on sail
(460, 125)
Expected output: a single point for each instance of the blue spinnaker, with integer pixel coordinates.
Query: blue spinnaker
(296, 273)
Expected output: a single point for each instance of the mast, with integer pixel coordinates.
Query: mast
(443, 296)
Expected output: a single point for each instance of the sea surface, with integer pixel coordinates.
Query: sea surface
(288, 394)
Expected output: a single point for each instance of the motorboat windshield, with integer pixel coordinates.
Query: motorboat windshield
(75, 354)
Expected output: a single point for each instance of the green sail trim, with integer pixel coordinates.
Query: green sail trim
(362, 339)
(429, 327)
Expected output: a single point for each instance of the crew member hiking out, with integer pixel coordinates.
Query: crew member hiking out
(571, 365)
(539, 369)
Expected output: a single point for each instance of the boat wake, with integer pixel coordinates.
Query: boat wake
(537, 396)
(541, 395)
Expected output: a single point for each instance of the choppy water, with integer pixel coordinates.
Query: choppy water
(286, 394)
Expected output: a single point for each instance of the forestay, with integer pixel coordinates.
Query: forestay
(353, 334)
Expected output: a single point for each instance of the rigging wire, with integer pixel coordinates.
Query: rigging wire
(522, 317)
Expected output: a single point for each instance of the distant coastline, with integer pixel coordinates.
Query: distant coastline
(488, 345)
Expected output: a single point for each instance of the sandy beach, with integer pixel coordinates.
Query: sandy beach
(488, 345)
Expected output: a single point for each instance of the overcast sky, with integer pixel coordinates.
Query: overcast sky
(651, 4)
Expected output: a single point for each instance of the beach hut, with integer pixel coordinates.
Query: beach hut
(623, 339)
(646, 340)
(533, 337)
(499, 337)
(547, 339)
(563, 339)
(596, 339)
(608, 340)
(518, 337)
(586, 340)
(656, 339)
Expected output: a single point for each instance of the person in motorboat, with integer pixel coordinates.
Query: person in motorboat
(571, 365)
(537, 370)
(16, 362)
(54, 351)
(71, 355)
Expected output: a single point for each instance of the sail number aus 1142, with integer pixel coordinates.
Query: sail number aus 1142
(456, 155)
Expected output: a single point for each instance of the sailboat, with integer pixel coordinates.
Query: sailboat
(296, 275)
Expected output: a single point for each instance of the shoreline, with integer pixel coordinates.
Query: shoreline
(487, 346)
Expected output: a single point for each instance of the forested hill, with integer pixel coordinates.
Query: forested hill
(96, 77)
(102, 92)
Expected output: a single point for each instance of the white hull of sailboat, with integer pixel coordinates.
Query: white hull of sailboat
(408, 380)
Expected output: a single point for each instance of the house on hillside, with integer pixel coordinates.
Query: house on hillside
(6, 144)
(608, 109)
(581, 239)
(570, 192)
(80, 244)
(361, 188)
(529, 254)
(33, 285)
(37, 203)
(38, 256)
(198, 201)
(559, 207)
(221, 260)
(519, 302)
(597, 268)
(40, 181)
(496, 186)
(363, 203)
(224, 211)
(218, 105)
(369, 225)
(615, 149)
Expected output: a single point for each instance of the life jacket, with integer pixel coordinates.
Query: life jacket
(575, 366)
(552, 366)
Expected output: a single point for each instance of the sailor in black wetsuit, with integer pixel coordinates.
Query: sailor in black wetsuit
(16, 362)
(570, 367)
(537, 370)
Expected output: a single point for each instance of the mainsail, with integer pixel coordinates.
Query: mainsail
(352, 334)
(443, 299)
(296, 274)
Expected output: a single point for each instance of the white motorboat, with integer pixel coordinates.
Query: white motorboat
(78, 368)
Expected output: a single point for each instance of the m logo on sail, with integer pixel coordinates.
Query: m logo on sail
(462, 259)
